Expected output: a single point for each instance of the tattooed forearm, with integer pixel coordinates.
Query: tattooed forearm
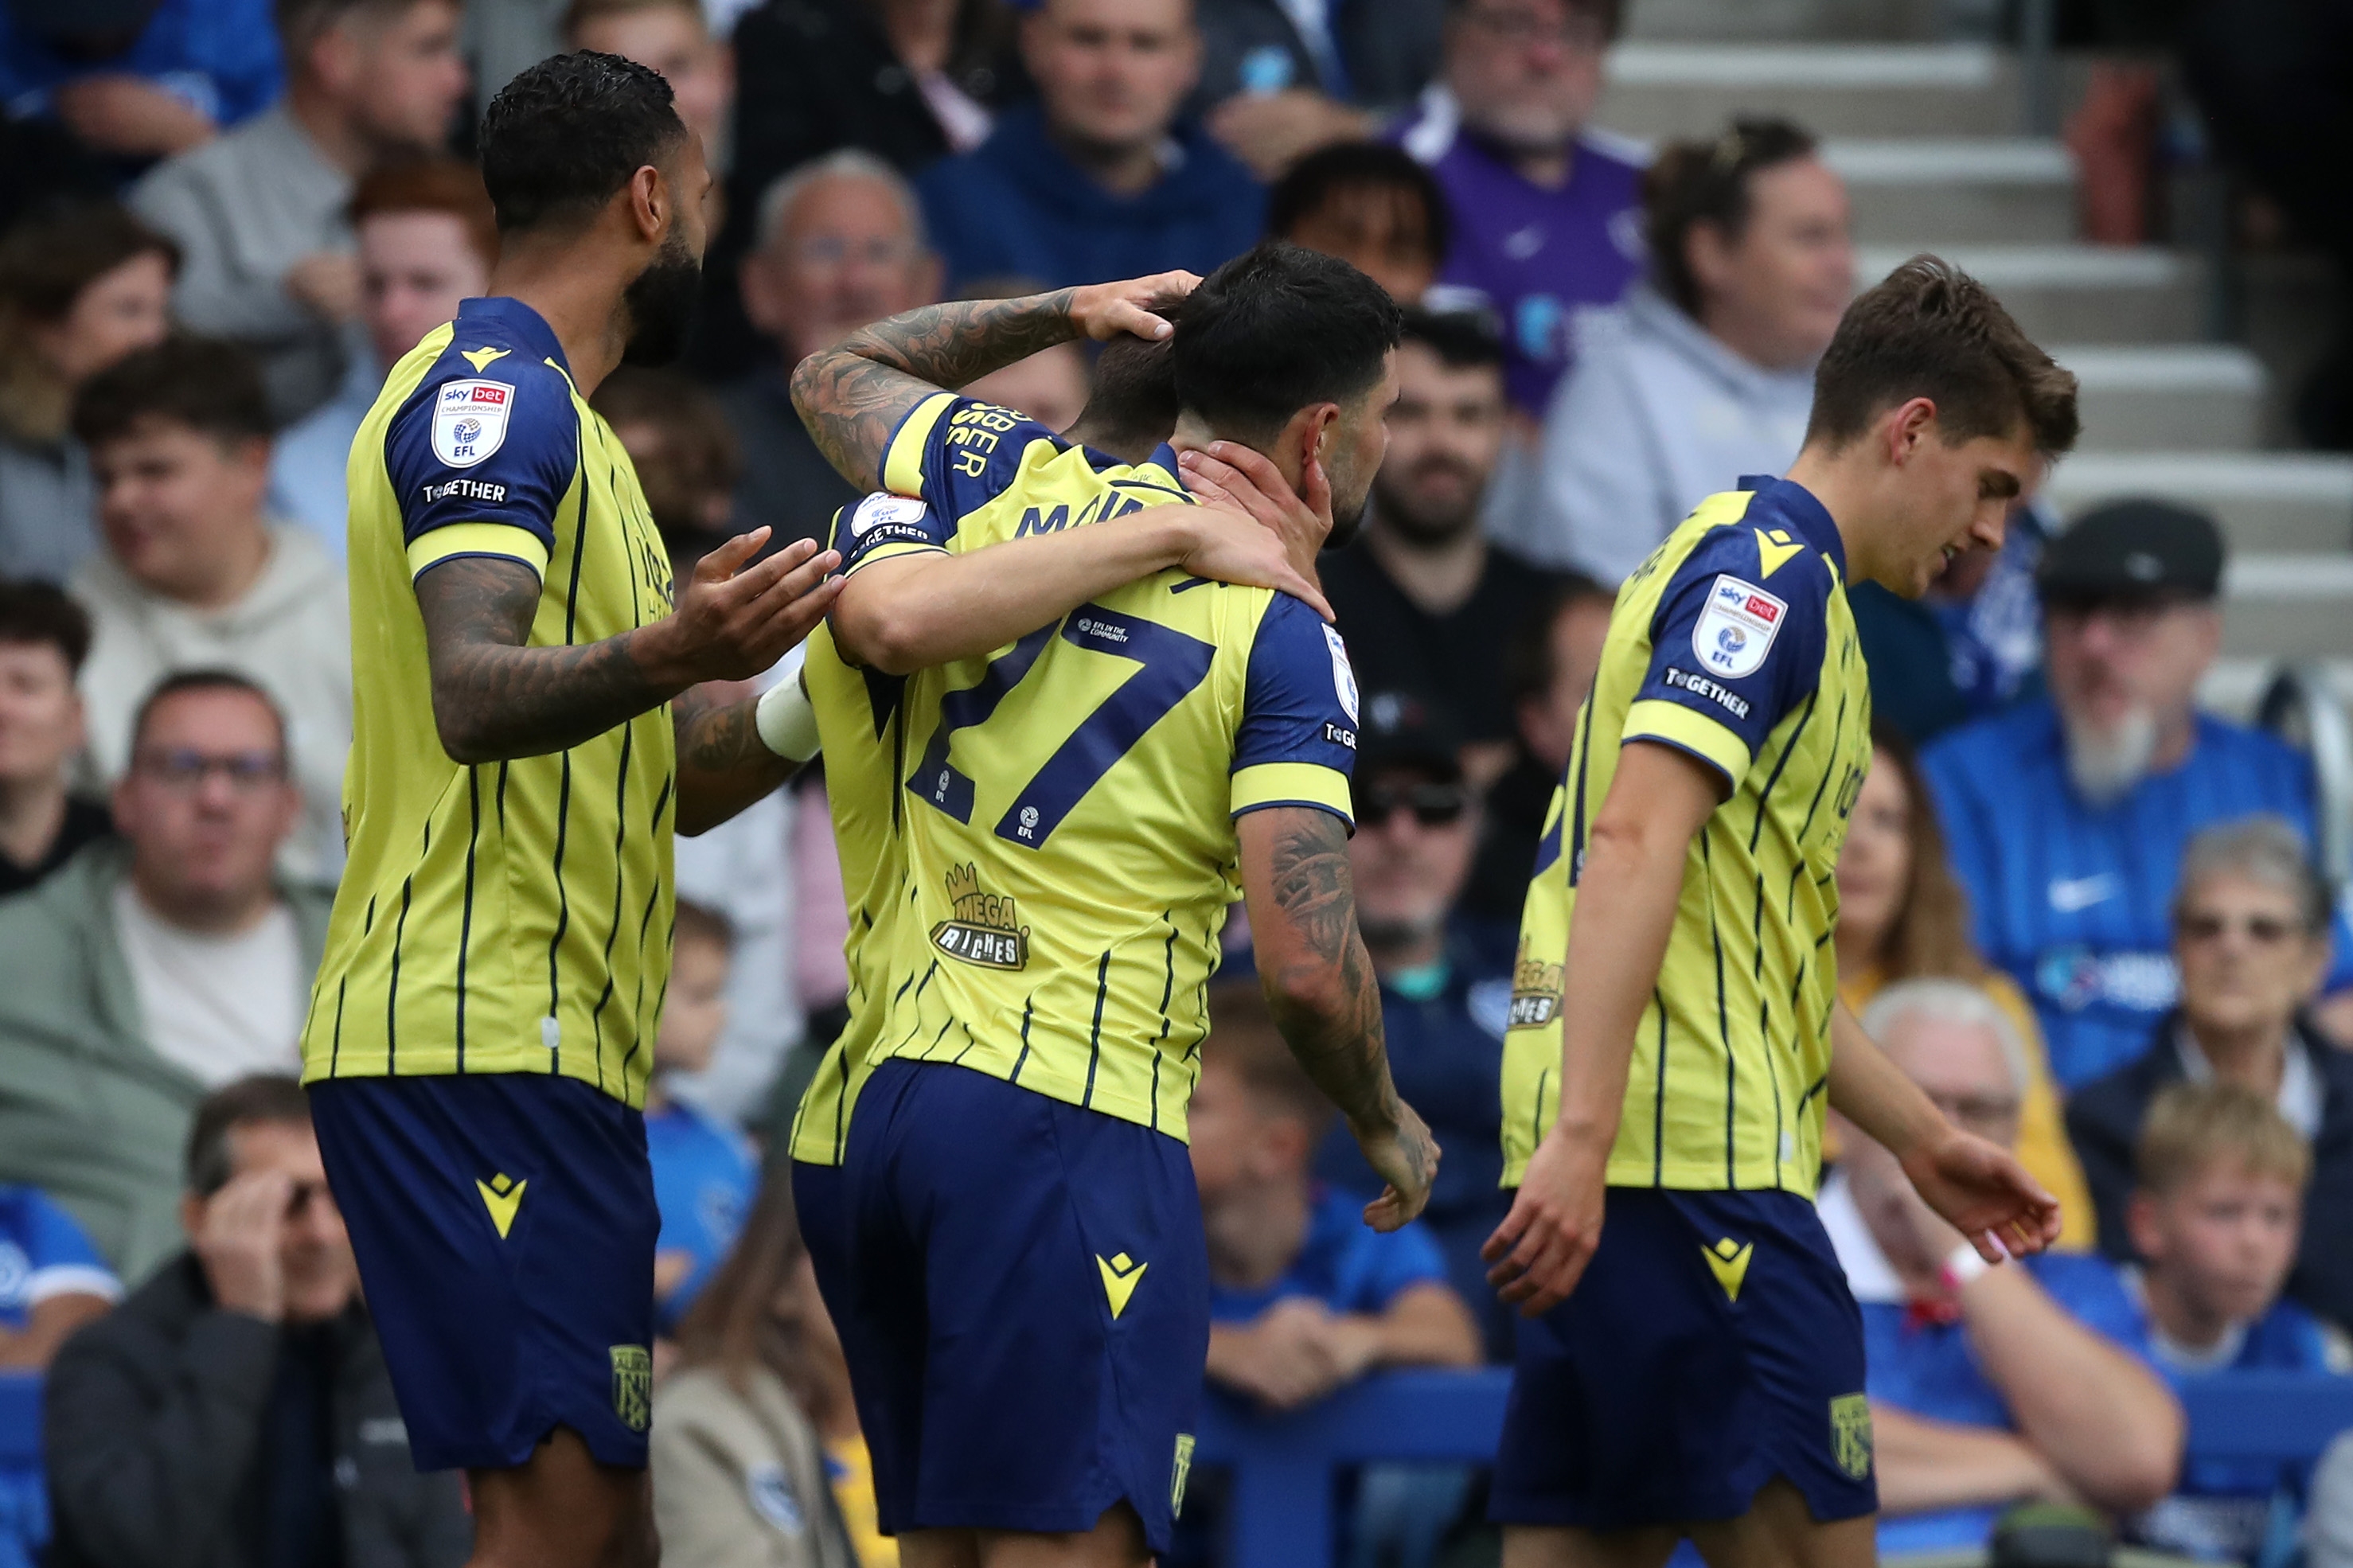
(493, 697)
(853, 396)
(723, 765)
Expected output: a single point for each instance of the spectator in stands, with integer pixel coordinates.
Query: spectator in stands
(1707, 371)
(144, 81)
(673, 38)
(1967, 647)
(2216, 1212)
(703, 1168)
(262, 213)
(1304, 1296)
(2068, 813)
(1446, 982)
(1100, 178)
(1986, 1386)
(195, 576)
(757, 1455)
(1289, 79)
(685, 458)
(426, 240)
(235, 1410)
(841, 244)
(1902, 917)
(52, 1279)
(1547, 215)
(1548, 667)
(2251, 945)
(2329, 1515)
(44, 638)
(1427, 604)
(1051, 385)
(146, 971)
(80, 286)
(1370, 204)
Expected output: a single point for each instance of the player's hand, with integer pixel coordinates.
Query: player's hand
(238, 1243)
(1981, 1191)
(1231, 475)
(1539, 1252)
(1405, 1157)
(1103, 311)
(730, 624)
(1230, 547)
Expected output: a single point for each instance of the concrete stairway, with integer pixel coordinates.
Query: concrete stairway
(1927, 136)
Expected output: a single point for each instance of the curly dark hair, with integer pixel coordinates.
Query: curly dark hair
(566, 133)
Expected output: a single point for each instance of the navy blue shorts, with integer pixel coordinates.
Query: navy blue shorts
(1711, 1345)
(504, 1225)
(1028, 1310)
(819, 1209)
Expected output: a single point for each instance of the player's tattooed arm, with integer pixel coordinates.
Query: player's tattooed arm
(853, 396)
(723, 765)
(1326, 1001)
(495, 697)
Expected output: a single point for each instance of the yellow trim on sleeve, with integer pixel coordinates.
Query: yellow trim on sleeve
(1655, 719)
(503, 538)
(1292, 783)
(903, 464)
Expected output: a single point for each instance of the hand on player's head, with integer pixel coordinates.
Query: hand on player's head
(1103, 311)
(1232, 547)
(1231, 475)
(734, 621)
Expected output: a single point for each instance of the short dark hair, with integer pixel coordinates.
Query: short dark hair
(1929, 330)
(202, 382)
(35, 614)
(1610, 13)
(49, 256)
(1358, 168)
(1695, 182)
(1529, 669)
(180, 682)
(566, 133)
(1133, 401)
(1460, 339)
(265, 1099)
(1276, 328)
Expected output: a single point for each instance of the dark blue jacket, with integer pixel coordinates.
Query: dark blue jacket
(1016, 205)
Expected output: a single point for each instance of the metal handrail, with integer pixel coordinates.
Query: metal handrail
(2300, 706)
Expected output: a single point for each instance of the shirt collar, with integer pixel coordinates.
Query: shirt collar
(521, 319)
(1804, 515)
(2300, 1093)
(1869, 1275)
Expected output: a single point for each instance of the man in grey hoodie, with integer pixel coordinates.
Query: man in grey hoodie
(194, 576)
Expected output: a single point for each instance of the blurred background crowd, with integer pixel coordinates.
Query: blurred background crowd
(2088, 901)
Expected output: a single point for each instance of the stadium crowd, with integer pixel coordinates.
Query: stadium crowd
(2081, 912)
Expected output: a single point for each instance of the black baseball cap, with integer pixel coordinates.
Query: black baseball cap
(102, 27)
(2134, 548)
(1402, 729)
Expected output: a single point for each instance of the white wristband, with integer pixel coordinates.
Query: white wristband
(1964, 1265)
(788, 724)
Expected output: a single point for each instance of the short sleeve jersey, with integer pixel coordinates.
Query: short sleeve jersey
(1343, 1263)
(511, 916)
(1069, 802)
(1733, 643)
(43, 1253)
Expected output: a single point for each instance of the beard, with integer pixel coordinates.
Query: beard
(2104, 765)
(1420, 523)
(661, 302)
(1347, 521)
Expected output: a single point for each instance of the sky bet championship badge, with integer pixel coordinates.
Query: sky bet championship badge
(469, 421)
(1737, 628)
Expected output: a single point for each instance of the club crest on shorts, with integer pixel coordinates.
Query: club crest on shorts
(1737, 629)
(1180, 1472)
(982, 927)
(633, 1386)
(1851, 1434)
(469, 420)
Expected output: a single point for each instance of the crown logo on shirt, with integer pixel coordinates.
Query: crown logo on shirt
(983, 928)
(1535, 992)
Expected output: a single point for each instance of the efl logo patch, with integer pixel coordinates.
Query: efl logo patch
(1737, 629)
(881, 509)
(469, 420)
(1343, 673)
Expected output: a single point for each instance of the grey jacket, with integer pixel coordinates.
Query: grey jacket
(739, 1477)
(89, 1112)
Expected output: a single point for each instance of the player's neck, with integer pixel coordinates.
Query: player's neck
(1255, 1234)
(579, 300)
(1847, 486)
(1192, 433)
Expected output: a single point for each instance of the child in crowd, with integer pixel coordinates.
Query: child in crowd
(703, 1170)
(2215, 1218)
(52, 1282)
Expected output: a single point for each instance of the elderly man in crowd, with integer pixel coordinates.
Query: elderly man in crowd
(2250, 941)
(149, 970)
(1986, 1386)
(260, 215)
(840, 244)
(235, 1410)
(2067, 813)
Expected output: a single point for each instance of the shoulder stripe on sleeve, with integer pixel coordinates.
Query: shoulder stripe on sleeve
(1653, 720)
(1292, 783)
(903, 460)
(503, 540)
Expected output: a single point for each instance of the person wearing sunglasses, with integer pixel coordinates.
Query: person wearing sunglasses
(2251, 938)
(1445, 977)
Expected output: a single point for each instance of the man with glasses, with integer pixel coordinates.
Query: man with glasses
(2068, 814)
(840, 244)
(155, 966)
(1548, 213)
(1987, 1386)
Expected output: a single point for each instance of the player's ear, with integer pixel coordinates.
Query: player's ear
(651, 201)
(1908, 424)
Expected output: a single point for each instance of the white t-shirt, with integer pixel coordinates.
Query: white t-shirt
(220, 1007)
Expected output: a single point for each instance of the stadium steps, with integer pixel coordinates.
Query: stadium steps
(1927, 192)
(2167, 397)
(2292, 502)
(2080, 293)
(1662, 90)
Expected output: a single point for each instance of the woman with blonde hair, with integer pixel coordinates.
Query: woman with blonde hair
(1903, 916)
